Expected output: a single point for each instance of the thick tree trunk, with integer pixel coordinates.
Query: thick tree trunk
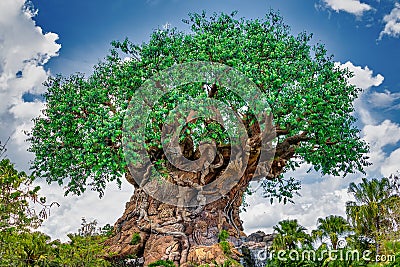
(182, 235)
(187, 233)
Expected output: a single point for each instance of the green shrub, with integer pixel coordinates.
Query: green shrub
(135, 239)
(226, 247)
(164, 263)
(223, 235)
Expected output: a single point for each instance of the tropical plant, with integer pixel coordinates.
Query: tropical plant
(84, 248)
(18, 217)
(15, 193)
(368, 213)
(80, 251)
(290, 235)
(332, 227)
(25, 249)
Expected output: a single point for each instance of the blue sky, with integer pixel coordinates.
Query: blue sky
(47, 37)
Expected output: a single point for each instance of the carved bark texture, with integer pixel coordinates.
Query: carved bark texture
(190, 235)
(175, 233)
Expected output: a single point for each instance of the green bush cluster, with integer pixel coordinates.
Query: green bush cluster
(136, 239)
(21, 246)
(26, 248)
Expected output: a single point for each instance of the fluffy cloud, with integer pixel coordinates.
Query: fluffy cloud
(391, 164)
(392, 23)
(384, 99)
(24, 51)
(363, 78)
(67, 218)
(379, 136)
(386, 133)
(354, 7)
(318, 200)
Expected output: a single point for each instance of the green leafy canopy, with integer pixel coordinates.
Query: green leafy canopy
(77, 140)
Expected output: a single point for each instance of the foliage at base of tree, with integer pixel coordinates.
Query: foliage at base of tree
(164, 263)
(36, 249)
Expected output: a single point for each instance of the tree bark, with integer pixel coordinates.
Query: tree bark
(174, 233)
(190, 234)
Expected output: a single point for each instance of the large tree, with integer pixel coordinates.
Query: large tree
(78, 141)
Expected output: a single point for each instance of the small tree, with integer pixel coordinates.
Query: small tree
(290, 235)
(17, 217)
(371, 213)
(332, 227)
(15, 194)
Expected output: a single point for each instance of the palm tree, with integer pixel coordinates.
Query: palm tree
(372, 202)
(331, 227)
(290, 234)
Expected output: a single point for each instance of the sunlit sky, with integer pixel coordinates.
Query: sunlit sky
(47, 37)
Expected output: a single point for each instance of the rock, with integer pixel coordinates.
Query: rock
(210, 254)
(256, 237)
(268, 239)
(253, 257)
(164, 248)
(254, 249)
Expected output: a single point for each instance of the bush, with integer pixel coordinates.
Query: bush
(164, 263)
(223, 235)
(135, 239)
(226, 247)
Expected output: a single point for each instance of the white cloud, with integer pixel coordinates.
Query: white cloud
(67, 218)
(391, 165)
(392, 23)
(24, 49)
(379, 136)
(386, 133)
(318, 200)
(354, 7)
(26, 110)
(384, 99)
(362, 78)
